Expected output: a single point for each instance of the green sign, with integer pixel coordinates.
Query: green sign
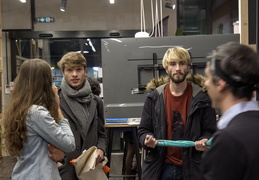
(45, 19)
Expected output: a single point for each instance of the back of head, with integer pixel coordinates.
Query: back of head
(72, 59)
(176, 54)
(34, 80)
(238, 65)
(33, 85)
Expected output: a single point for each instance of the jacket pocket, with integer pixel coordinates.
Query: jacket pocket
(151, 156)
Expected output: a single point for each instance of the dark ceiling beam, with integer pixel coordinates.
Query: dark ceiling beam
(72, 34)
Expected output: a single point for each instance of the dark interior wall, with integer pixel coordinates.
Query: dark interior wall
(207, 16)
(223, 16)
(252, 21)
(81, 15)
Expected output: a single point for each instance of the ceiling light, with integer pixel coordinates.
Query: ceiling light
(23, 1)
(170, 5)
(63, 5)
(142, 32)
(112, 1)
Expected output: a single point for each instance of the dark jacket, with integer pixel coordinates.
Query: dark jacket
(201, 123)
(234, 153)
(94, 137)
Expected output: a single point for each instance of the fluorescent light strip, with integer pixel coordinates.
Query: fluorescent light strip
(90, 42)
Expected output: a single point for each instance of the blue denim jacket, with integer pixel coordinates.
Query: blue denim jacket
(34, 163)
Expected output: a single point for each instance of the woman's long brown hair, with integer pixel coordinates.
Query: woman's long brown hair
(32, 86)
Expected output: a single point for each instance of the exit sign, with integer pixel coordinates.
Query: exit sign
(45, 19)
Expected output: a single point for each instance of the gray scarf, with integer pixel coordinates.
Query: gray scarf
(78, 101)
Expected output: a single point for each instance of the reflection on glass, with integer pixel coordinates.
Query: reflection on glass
(52, 51)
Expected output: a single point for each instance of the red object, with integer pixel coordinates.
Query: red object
(72, 162)
(106, 169)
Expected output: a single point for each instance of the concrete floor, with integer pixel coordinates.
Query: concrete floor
(116, 168)
(7, 164)
(6, 167)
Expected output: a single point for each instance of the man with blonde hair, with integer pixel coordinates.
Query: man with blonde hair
(177, 110)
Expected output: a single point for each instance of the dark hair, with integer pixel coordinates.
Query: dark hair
(95, 85)
(239, 64)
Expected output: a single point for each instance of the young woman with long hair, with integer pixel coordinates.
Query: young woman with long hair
(33, 120)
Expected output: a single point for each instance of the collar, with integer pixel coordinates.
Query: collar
(239, 108)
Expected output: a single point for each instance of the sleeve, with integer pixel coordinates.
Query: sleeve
(224, 160)
(101, 144)
(57, 134)
(146, 123)
(208, 123)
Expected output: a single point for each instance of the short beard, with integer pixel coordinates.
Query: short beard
(177, 81)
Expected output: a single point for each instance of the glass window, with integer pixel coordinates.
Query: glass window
(52, 51)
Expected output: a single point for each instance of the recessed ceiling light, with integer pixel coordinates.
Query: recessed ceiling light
(112, 1)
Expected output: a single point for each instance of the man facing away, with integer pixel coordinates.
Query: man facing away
(232, 75)
(83, 109)
(178, 110)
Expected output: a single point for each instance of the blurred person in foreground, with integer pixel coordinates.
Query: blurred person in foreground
(33, 120)
(232, 76)
(178, 109)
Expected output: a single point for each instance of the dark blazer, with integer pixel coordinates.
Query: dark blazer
(234, 153)
(95, 135)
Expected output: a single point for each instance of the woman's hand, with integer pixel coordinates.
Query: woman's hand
(55, 90)
(55, 153)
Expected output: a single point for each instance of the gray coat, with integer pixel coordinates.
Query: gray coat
(95, 135)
